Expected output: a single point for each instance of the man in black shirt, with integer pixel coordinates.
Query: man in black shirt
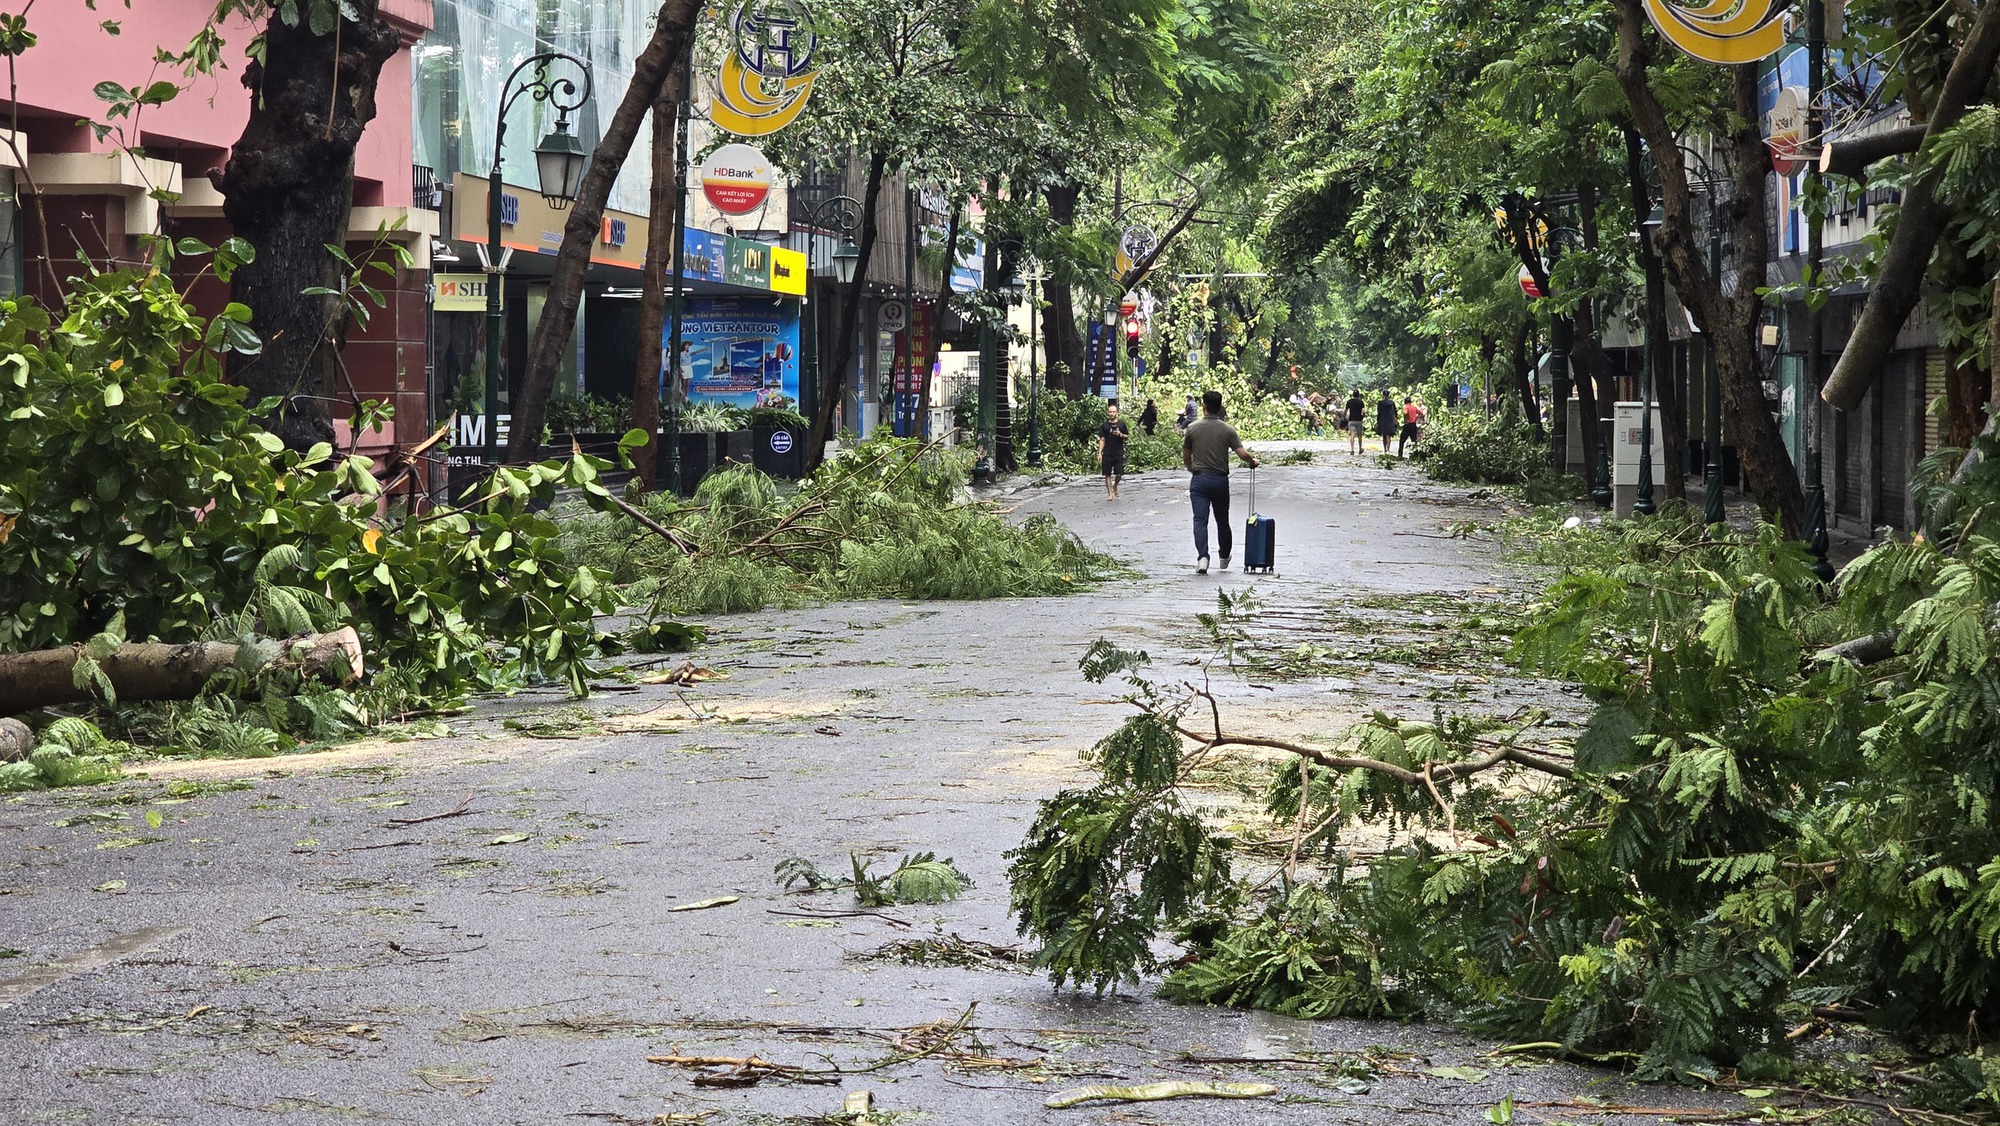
(1111, 438)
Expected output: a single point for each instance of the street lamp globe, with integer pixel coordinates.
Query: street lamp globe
(560, 160)
(846, 257)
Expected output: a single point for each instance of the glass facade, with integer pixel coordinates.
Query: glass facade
(471, 48)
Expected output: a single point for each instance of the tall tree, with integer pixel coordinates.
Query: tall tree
(288, 186)
(672, 39)
(1728, 314)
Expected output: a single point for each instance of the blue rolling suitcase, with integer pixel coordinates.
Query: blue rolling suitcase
(1260, 536)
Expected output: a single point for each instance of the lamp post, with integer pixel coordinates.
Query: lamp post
(1644, 503)
(1034, 367)
(1710, 189)
(559, 162)
(1815, 516)
(842, 214)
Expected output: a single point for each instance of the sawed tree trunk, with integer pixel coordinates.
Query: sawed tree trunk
(156, 671)
(287, 189)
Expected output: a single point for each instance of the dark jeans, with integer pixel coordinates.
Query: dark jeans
(1210, 491)
(1409, 434)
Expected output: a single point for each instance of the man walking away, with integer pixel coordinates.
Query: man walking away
(1111, 438)
(1413, 425)
(1205, 451)
(1149, 418)
(1357, 420)
(1385, 418)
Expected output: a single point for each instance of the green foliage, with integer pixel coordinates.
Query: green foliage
(1103, 868)
(917, 878)
(883, 519)
(575, 412)
(1745, 828)
(68, 752)
(138, 498)
(1470, 446)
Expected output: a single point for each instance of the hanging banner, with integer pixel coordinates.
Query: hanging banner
(736, 179)
(743, 351)
(765, 81)
(1722, 31)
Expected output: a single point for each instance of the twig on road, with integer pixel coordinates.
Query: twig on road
(837, 915)
(464, 807)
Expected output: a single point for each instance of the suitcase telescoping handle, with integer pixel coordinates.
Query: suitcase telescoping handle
(1252, 513)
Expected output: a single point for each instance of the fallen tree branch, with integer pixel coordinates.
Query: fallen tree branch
(157, 671)
(1863, 651)
(1501, 754)
(650, 524)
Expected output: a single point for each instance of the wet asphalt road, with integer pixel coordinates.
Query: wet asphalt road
(320, 946)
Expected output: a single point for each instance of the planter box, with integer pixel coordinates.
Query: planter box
(734, 446)
(779, 451)
(599, 445)
(697, 458)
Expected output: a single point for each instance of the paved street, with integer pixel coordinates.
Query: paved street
(481, 927)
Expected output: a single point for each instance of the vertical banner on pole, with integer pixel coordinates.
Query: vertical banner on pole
(908, 381)
(1100, 361)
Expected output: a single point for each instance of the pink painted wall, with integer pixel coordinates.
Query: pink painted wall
(74, 54)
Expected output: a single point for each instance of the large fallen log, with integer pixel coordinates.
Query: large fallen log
(156, 671)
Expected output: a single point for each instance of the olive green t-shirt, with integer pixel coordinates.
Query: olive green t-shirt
(1208, 444)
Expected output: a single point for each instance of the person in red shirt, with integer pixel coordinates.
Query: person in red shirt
(1413, 424)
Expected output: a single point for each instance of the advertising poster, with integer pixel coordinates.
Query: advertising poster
(743, 351)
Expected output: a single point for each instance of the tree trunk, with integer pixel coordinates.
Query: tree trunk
(1659, 346)
(288, 187)
(1524, 369)
(1062, 340)
(673, 29)
(661, 256)
(1899, 282)
(833, 376)
(155, 671)
(934, 346)
(1730, 321)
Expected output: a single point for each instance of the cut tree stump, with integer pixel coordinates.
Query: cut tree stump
(154, 671)
(15, 740)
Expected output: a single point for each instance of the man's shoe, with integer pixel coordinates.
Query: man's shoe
(1201, 565)
(1225, 564)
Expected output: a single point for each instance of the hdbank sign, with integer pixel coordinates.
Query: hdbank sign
(743, 351)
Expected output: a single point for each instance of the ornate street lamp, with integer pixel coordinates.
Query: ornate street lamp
(1644, 504)
(1034, 366)
(842, 213)
(560, 161)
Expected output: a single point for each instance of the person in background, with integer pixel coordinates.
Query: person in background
(1205, 451)
(1316, 403)
(1385, 418)
(1357, 420)
(1413, 425)
(1111, 439)
(1187, 416)
(1149, 418)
